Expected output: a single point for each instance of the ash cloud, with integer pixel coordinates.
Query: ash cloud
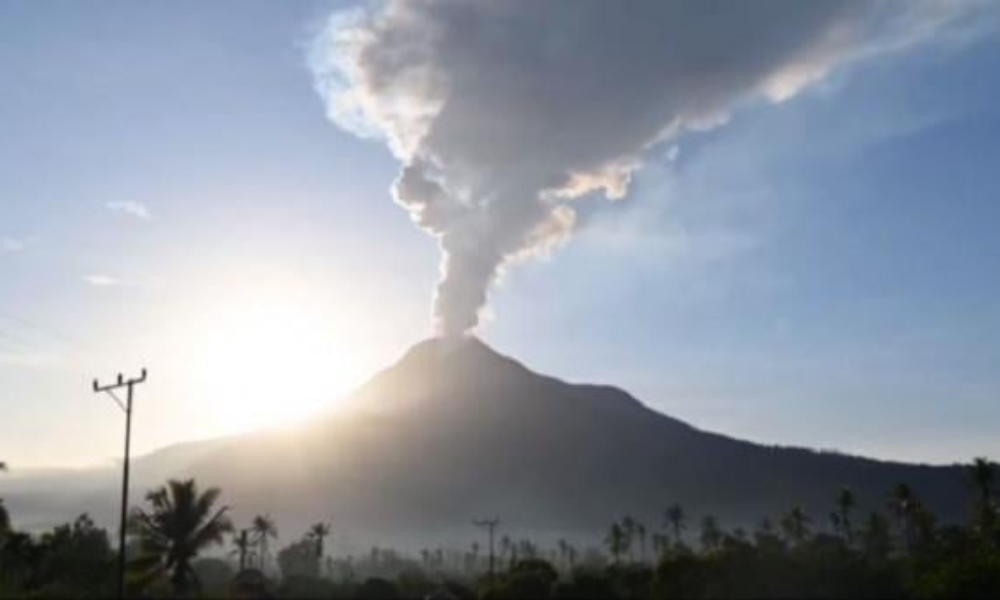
(504, 113)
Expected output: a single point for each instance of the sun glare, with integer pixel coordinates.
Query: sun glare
(273, 361)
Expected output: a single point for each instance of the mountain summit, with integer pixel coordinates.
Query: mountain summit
(455, 430)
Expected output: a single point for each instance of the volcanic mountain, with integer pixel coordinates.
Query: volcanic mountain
(456, 431)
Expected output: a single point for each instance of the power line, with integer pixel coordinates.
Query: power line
(65, 345)
(51, 334)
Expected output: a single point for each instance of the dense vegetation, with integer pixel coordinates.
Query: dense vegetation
(184, 544)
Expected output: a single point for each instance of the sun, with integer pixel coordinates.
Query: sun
(270, 360)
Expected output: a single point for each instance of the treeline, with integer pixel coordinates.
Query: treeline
(183, 543)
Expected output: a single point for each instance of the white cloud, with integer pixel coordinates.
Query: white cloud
(104, 280)
(11, 245)
(131, 208)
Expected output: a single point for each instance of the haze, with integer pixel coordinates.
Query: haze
(821, 270)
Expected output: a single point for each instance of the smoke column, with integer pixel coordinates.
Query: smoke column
(504, 112)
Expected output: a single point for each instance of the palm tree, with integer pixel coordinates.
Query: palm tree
(181, 522)
(983, 478)
(5, 528)
(507, 546)
(903, 505)
(711, 534)
(264, 530)
(528, 549)
(660, 543)
(675, 520)
(563, 548)
(795, 525)
(4, 515)
(846, 502)
(640, 534)
(319, 532)
(473, 559)
(876, 537)
(983, 475)
(615, 541)
(629, 526)
(244, 546)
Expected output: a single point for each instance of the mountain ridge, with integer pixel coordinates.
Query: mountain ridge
(454, 429)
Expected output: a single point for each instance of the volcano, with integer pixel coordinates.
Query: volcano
(456, 431)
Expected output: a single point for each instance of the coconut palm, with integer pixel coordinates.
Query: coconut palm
(244, 547)
(904, 506)
(675, 519)
(5, 528)
(660, 543)
(983, 478)
(640, 534)
(795, 525)
(4, 515)
(629, 526)
(264, 530)
(507, 547)
(846, 503)
(318, 533)
(180, 523)
(616, 542)
(563, 548)
(711, 534)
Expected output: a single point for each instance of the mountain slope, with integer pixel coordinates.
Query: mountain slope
(455, 430)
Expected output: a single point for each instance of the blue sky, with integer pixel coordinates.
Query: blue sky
(819, 272)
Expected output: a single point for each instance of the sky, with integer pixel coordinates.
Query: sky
(821, 271)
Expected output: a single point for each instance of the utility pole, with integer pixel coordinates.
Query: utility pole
(126, 407)
(490, 526)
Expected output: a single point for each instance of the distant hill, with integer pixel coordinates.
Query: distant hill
(454, 431)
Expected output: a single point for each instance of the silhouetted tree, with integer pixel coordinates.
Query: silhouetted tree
(564, 549)
(180, 523)
(264, 530)
(842, 520)
(508, 550)
(4, 515)
(983, 478)
(299, 559)
(904, 506)
(795, 526)
(244, 545)
(319, 532)
(661, 544)
(640, 534)
(615, 542)
(711, 534)
(675, 520)
(629, 526)
(5, 527)
(877, 538)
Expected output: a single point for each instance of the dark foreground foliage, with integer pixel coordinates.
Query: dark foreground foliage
(183, 545)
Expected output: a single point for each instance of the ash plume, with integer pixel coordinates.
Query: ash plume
(503, 113)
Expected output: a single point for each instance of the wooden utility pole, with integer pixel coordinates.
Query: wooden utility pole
(126, 407)
(490, 526)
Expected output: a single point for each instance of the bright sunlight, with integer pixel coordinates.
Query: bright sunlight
(273, 360)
